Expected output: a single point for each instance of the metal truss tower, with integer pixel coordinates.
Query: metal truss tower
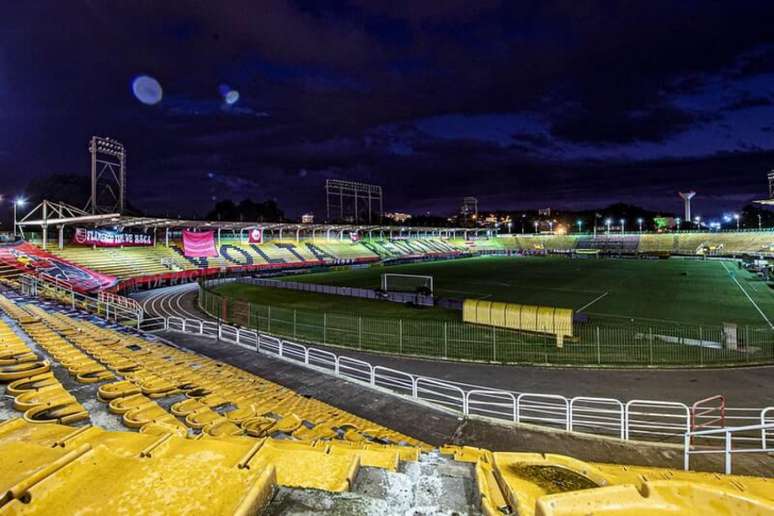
(349, 201)
(108, 176)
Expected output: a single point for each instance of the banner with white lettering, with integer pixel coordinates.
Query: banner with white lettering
(110, 238)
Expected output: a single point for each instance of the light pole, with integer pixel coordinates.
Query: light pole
(698, 222)
(639, 221)
(20, 202)
(509, 227)
(536, 225)
(623, 225)
(759, 222)
(580, 225)
(608, 222)
(551, 225)
(678, 220)
(736, 216)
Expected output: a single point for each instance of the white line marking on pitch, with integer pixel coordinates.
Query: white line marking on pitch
(733, 277)
(592, 302)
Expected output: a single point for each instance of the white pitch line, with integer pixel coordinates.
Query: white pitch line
(592, 302)
(733, 277)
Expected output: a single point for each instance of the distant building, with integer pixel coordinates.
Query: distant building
(398, 216)
(492, 219)
(307, 218)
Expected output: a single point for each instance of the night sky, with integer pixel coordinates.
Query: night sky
(568, 104)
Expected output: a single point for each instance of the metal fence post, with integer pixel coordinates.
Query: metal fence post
(268, 319)
(325, 327)
(494, 344)
(599, 351)
(400, 335)
(701, 347)
(294, 323)
(545, 347)
(445, 339)
(650, 343)
(360, 332)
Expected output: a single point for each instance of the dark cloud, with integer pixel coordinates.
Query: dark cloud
(747, 101)
(342, 89)
(652, 124)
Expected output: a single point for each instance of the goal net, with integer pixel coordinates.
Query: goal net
(407, 283)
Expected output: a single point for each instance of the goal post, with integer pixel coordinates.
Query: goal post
(392, 282)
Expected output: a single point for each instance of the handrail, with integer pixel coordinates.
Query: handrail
(727, 450)
(624, 419)
(763, 422)
(543, 396)
(590, 399)
(695, 414)
(444, 385)
(654, 403)
(487, 392)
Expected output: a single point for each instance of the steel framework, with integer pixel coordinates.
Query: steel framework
(771, 184)
(363, 196)
(108, 176)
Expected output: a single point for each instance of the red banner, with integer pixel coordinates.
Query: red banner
(108, 238)
(255, 236)
(199, 245)
(34, 260)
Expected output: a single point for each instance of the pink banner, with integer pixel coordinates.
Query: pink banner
(199, 245)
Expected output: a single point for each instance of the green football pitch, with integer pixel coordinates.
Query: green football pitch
(608, 291)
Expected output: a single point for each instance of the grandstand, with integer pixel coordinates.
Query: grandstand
(92, 402)
(183, 422)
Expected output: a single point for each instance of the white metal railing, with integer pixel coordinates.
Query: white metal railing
(635, 419)
(109, 308)
(728, 449)
(765, 429)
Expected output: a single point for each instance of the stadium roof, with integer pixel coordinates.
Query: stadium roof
(60, 214)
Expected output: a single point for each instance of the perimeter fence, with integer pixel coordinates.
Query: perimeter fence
(628, 344)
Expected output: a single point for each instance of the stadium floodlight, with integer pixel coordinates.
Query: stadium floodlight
(623, 225)
(20, 202)
(580, 225)
(678, 220)
(736, 216)
(536, 226)
(697, 220)
(607, 223)
(639, 221)
(509, 227)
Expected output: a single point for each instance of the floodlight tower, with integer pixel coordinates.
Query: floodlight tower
(108, 176)
(687, 196)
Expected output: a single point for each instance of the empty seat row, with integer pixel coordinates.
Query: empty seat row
(548, 484)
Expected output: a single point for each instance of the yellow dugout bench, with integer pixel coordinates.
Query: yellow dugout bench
(533, 318)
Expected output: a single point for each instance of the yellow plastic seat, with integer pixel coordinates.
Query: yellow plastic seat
(31, 383)
(24, 370)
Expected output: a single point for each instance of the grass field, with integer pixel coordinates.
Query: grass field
(641, 312)
(607, 290)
